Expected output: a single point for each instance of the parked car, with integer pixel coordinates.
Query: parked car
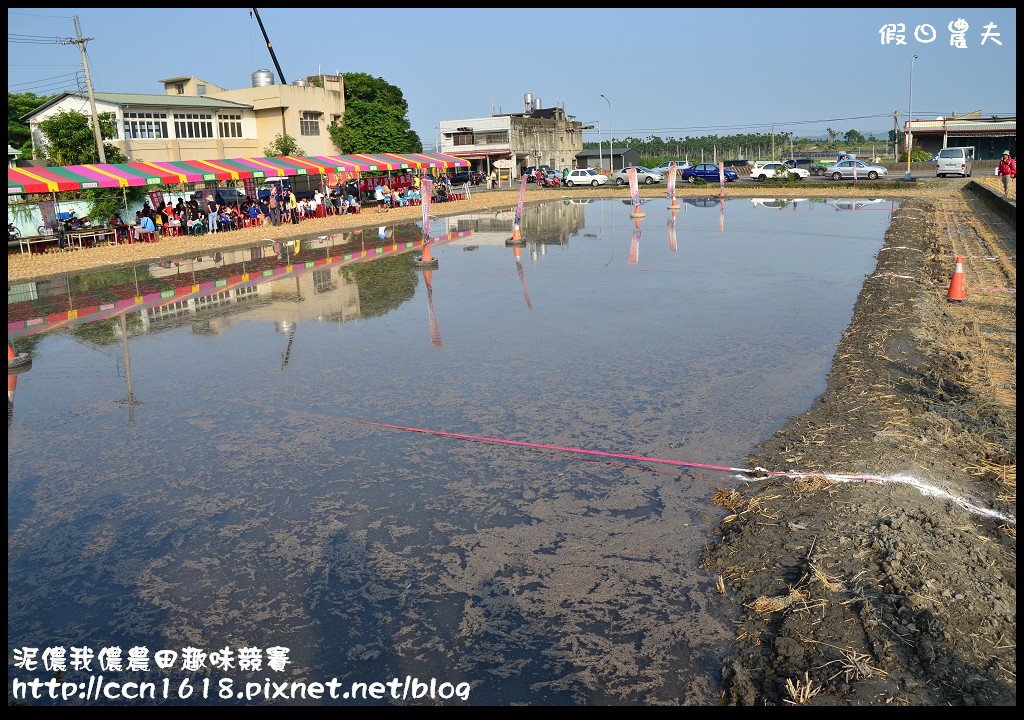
(709, 173)
(466, 176)
(644, 176)
(764, 171)
(845, 169)
(737, 164)
(585, 176)
(680, 166)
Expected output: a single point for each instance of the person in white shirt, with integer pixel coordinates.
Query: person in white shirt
(378, 195)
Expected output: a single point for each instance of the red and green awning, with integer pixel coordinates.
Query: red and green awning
(71, 178)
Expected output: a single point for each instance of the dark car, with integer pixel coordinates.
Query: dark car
(709, 173)
(466, 176)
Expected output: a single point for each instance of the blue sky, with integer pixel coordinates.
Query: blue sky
(669, 73)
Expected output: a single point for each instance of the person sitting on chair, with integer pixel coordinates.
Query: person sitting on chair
(145, 226)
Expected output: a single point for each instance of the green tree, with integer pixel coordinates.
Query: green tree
(375, 118)
(19, 135)
(852, 136)
(832, 134)
(68, 139)
(283, 145)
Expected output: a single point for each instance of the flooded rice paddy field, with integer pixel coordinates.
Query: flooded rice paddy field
(395, 472)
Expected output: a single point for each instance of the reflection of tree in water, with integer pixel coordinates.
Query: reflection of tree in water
(383, 284)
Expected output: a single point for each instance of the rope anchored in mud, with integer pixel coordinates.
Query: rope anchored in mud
(922, 487)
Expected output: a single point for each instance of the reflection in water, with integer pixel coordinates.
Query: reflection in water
(248, 505)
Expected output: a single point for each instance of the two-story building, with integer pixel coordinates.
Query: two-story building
(196, 120)
(512, 142)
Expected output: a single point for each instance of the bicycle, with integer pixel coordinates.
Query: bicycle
(13, 233)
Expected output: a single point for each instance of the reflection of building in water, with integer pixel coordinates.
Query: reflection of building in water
(549, 223)
(322, 294)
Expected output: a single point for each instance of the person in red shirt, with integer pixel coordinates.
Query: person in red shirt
(1007, 169)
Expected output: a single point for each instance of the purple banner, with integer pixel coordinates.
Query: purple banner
(519, 207)
(634, 188)
(426, 194)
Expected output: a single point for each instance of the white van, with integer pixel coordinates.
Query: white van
(954, 161)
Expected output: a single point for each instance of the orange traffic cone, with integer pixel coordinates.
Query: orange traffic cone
(425, 257)
(516, 235)
(957, 291)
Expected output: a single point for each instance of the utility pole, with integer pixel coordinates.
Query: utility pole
(773, 142)
(81, 41)
(896, 135)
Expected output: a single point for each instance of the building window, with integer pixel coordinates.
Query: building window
(145, 126)
(309, 123)
(200, 89)
(462, 138)
(193, 125)
(180, 87)
(229, 126)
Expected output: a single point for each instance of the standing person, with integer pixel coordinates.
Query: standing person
(494, 178)
(378, 196)
(211, 213)
(293, 207)
(1007, 169)
(275, 207)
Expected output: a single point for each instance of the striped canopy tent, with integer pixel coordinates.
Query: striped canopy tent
(71, 178)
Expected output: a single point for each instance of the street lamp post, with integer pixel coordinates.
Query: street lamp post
(611, 145)
(600, 141)
(910, 121)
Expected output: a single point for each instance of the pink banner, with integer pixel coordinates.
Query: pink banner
(721, 176)
(672, 184)
(634, 245)
(672, 232)
(519, 207)
(634, 188)
(426, 194)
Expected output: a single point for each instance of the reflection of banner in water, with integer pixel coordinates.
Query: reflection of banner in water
(634, 245)
(672, 232)
(435, 331)
(634, 188)
(721, 215)
(519, 205)
(426, 194)
(672, 184)
(522, 276)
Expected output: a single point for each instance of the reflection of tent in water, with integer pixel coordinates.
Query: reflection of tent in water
(642, 201)
(777, 203)
(854, 204)
(702, 202)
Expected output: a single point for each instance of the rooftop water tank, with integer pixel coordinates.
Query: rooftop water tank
(262, 78)
(536, 104)
(299, 83)
(528, 101)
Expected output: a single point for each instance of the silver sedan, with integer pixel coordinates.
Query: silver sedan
(850, 169)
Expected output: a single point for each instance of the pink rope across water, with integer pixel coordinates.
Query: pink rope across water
(923, 488)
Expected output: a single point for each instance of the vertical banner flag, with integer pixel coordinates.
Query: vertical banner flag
(519, 206)
(721, 176)
(250, 187)
(672, 186)
(426, 193)
(634, 189)
(155, 198)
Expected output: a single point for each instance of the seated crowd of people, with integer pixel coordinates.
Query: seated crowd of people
(199, 214)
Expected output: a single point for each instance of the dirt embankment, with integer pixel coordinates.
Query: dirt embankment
(897, 587)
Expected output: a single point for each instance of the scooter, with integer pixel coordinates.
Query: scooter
(549, 181)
